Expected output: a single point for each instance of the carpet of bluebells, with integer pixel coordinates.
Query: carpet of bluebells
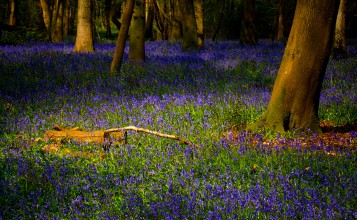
(198, 96)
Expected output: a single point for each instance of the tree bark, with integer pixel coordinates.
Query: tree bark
(115, 14)
(137, 33)
(189, 26)
(281, 16)
(57, 31)
(199, 11)
(149, 21)
(247, 29)
(123, 33)
(84, 38)
(339, 45)
(47, 16)
(176, 28)
(295, 98)
(12, 20)
(108, 6)
(66, 16)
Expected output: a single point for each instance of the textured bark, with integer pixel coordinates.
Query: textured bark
(339, 45)
(247, 29)
(123, 33)
(295, 98)
(137, 33)
(84, 38)
(281, 16)
(198, 5)
(189, 26)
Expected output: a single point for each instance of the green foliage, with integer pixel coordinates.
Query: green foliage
(251, 73)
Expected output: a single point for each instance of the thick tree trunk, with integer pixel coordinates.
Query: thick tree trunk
(198, 5)
(123, 33)
(189, 26)
(281, 16)
(84, 38)
(247, 29)
(137, 33)
(295, 98)
(339, 45)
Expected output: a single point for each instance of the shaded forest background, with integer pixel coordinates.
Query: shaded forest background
(222, 20)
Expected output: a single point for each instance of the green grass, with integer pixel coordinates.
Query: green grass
(157, 178)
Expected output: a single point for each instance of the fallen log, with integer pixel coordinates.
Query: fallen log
(102, 138)
(105, 138)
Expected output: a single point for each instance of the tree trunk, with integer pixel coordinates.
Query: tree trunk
(46, 16)
(12, 21)
(247, 29)
(223, 6)
(115, 14)
(66, 16)
(57, 31)
(176, 29)
(198, 5)
(149, 21)
(189, 26)
(295, 98)
(84, 38)
(280, 34)
(137, 33)
(339, 45)
(123, 33)
(108, 6)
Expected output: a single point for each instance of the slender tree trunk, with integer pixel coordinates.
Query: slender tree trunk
(149, 21)
(137, 33)
(223, 6)
(189, 26)
(108, 6)
(198, 5)
(66, 15)
(115, 14)
(247, 29)
(123, 33)
(47, 16)
(339, 45)
(84, 37)
(281, 16)
(12, 21)
(176, 29)
(57, 31)
(295, 98)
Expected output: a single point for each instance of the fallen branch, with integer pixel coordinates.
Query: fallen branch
(133, 128)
